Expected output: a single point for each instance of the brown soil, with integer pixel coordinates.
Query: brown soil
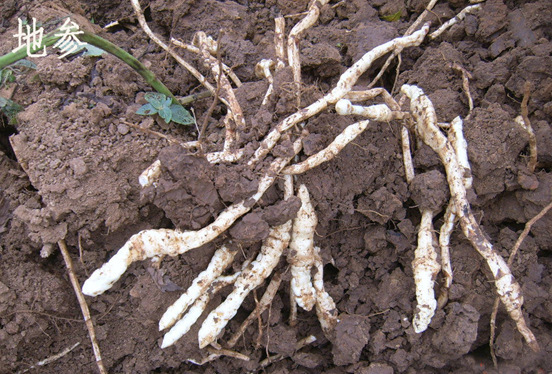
(72, 172)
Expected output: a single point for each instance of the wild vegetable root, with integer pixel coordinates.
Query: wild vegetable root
(296, 237)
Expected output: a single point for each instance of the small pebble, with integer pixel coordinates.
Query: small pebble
(122, 129)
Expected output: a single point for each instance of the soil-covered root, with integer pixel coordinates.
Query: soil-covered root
(183, 325)
(301, 252)
(251, 277)
(426, 128)
(346, 82)
(326, 310)
(155, 243)
(222, 258)
(425, 268)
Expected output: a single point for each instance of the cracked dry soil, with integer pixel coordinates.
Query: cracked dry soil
(72, 170)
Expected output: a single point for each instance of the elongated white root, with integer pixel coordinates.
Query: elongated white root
(507, 288)
(459, 17)
(444, 244)
(425, 267)
(205, 45)
(183, 325)
(377, 112)
(301, 251)
(152, 243)
(262, 70)
(293, 42)
(344, 85)
(150, 175)
(458, 142)
(159, 42)
(279, 41)
(262, 305)
(326, 310)
(524, 122)
(348, 135)
(194, 49)
(222, 258)
(407, 155)
(251, 277)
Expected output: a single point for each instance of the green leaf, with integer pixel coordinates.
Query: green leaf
(93, 51)
(156, 99)
(6, 75)
(166, 114)
(10, 109)
(24, 63)
(392, 17)
(146, 110)
(181, 115)
(90, 50)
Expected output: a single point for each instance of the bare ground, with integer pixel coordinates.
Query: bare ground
(72, 170)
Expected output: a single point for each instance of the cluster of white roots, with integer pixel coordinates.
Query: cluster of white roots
(296, 237)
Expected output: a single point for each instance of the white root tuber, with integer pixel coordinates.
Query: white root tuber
(344, 85)
(326, 310)
(150, 175)
(328, 153)
(159, 42)
(183, 325)
(249, 279)
(205, 45)
(459, 17)
(507, 288)
(458, 142)
(444, 244)
(301, 251)
(262, 305)
(262, 70)
(279, 39)
(194, 49)
(154, 243)
(377, 112)
(407, 155)
(273, 247)
(222, 258)
(293, 42)
(425, 267)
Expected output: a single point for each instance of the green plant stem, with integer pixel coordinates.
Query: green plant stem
(99, 42)
(187, 100)
(12, 57)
